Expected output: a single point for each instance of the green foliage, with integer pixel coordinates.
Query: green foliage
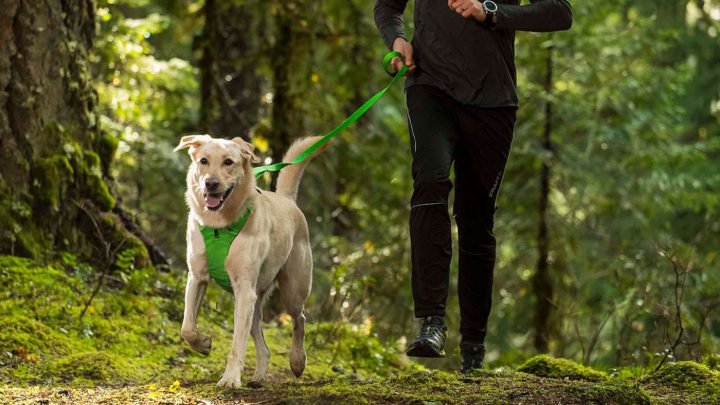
(148, 99)
(546, 366)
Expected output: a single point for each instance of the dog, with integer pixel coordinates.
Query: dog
(273, 247)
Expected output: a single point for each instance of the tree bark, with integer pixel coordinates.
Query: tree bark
(542, 282)
(54, 157)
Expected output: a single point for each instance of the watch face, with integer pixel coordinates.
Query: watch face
(490, 6)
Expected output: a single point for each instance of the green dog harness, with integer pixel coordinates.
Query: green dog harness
(217, 247)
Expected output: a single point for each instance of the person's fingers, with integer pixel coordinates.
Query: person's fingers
(461, 4)
(396, 63)
(468, 12)
(409, 56)
(461, 7)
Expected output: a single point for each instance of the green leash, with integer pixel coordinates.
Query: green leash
(219, 240)
(349, 120)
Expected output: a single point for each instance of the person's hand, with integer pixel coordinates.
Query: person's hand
(468, 9)
(406, 50)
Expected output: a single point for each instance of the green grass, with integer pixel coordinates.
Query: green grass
(126, 348)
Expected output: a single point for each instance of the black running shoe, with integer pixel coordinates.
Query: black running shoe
(430, 341)
(473, 355)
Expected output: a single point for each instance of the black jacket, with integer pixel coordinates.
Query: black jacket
(473, 64)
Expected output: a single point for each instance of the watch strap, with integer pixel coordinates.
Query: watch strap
(489, 16)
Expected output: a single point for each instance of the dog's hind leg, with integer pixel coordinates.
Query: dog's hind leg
(294, 281)
(262, 353)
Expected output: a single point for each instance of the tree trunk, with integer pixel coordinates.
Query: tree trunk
(542, 282)
(289, 78)
(229, 84)
(54, 158)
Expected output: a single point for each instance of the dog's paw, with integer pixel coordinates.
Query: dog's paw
(229, 382)
(201, 344)
(297, 362)
(255, 383)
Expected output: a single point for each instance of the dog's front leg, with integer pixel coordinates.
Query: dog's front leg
(198, 278)
(194, 293)
(245, 297)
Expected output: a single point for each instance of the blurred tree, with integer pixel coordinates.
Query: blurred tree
(229, 85)
(542, 280)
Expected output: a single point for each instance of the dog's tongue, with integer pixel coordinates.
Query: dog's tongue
(212, 202)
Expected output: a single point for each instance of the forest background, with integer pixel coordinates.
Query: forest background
(608, 221)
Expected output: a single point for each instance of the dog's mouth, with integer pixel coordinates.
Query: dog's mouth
(215, 200)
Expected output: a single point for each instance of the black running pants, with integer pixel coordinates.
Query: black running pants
(477, 140)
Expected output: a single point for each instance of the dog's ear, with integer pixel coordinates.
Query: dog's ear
(193, 141)
(248, 150)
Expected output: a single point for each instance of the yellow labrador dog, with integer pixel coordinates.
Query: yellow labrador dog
(273, 246)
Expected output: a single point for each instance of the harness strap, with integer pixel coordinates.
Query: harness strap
(217, 248)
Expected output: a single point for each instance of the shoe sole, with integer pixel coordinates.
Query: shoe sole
(423, 349)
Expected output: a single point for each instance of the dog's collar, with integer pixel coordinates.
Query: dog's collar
(217, 247)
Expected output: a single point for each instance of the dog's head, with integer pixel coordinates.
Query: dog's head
(218, 166)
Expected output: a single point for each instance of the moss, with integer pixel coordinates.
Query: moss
(686, 382)
(89, 179)
(95, 185)
(133, 252)
(685, 374)
(52, 174)
(94, 367)
(610, 392)
(18, 234)
(129, 335)
(21, 334)
(546, 366)
(107, 147)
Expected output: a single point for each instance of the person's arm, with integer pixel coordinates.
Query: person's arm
(538, 16)
(389, 21)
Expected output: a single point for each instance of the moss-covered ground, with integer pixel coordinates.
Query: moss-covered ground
(126, 348)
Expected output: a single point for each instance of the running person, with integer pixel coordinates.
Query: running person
(461, 104)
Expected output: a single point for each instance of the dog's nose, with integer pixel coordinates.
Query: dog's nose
(212, 184)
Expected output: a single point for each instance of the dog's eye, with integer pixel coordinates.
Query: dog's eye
(203, 161)
(228, 162)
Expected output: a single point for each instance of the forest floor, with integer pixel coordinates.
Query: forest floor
(421, 387)
(124, 347)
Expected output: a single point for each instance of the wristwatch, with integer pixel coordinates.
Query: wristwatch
(491, 9)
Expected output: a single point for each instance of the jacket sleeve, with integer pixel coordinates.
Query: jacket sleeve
(538, 16)
(389, 21)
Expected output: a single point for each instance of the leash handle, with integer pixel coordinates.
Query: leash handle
(258, 171)
(387, 60)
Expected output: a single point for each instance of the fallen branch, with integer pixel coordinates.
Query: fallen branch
(156, 255)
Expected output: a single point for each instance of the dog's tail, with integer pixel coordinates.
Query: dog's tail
(289, 178)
